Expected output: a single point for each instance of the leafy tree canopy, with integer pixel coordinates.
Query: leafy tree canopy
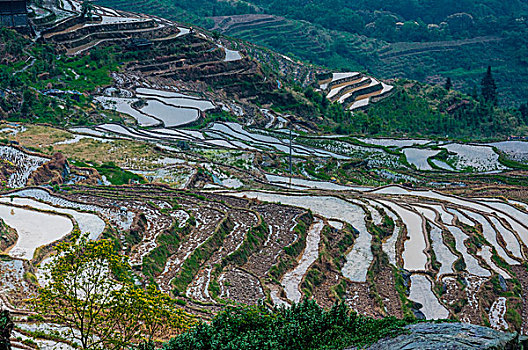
(89, 289)
(305, 326)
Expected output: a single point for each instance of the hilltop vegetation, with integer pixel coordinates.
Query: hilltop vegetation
(418, 109)
(31, 71)
(426, 41)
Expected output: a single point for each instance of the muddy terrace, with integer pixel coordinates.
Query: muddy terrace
(389, 251)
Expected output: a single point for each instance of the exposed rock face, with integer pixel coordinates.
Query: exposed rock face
(53, 172)
(138, 228)
(446, 336)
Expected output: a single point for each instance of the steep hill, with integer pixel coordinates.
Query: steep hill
(202, 178)
(405, 39)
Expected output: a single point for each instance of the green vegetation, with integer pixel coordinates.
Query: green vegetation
(343, 245)
(8, 236)
(45, 87)
(117, 176)
(255, 237)
(52, 88)
(167, 243)
(6, 326)
(512, 316)
(289, 260)
(305, 326)
(113, 174)
(489, 88)
(91, 289)
(422, 40)
(417, 109)
(194, 262)
(221, 116)
(316, 274)
(399, 284)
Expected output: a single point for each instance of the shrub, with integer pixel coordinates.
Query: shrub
(304, 326)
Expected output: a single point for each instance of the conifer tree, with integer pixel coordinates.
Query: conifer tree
(448, 84)
(489, 88)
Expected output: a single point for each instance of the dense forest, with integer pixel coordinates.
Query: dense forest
(419, 20)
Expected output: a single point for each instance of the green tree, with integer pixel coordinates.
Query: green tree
(27, 103)
(448, 84)
(489, 88)
(523, 109)
(304, 326)
(88, 290)
(87, 9)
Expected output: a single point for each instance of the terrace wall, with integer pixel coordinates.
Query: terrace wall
(362, 92)
(344, 80)
(113, 27)
(350, 87)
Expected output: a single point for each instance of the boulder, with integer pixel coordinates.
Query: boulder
(447, 336)
(53, 172)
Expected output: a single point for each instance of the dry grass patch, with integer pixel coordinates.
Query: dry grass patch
(124, 153)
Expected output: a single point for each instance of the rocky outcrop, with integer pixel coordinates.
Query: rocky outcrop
(53, 172)
(138, 229)
(446, 336)
(6, 170)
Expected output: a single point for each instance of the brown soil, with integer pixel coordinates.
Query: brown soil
(52, 172)
(522, 275)
(359, 298)
(385, 286)
(8, 237)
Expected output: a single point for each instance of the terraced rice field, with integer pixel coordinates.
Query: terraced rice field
(89, 224)
(25, 164)
(516, 150)
(233, 228)
(414, 256)
(424, 221)
(123, 105)
(421, 292)
(292, 279)
(34, 228)
(418, 157)
(353, 89)
(480, 158)
(170, 116)
(360, 256)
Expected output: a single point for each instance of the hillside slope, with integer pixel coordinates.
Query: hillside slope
(208, 171)
(397, 39)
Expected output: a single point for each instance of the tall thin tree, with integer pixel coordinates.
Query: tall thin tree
(489, 88)
(448, 84)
